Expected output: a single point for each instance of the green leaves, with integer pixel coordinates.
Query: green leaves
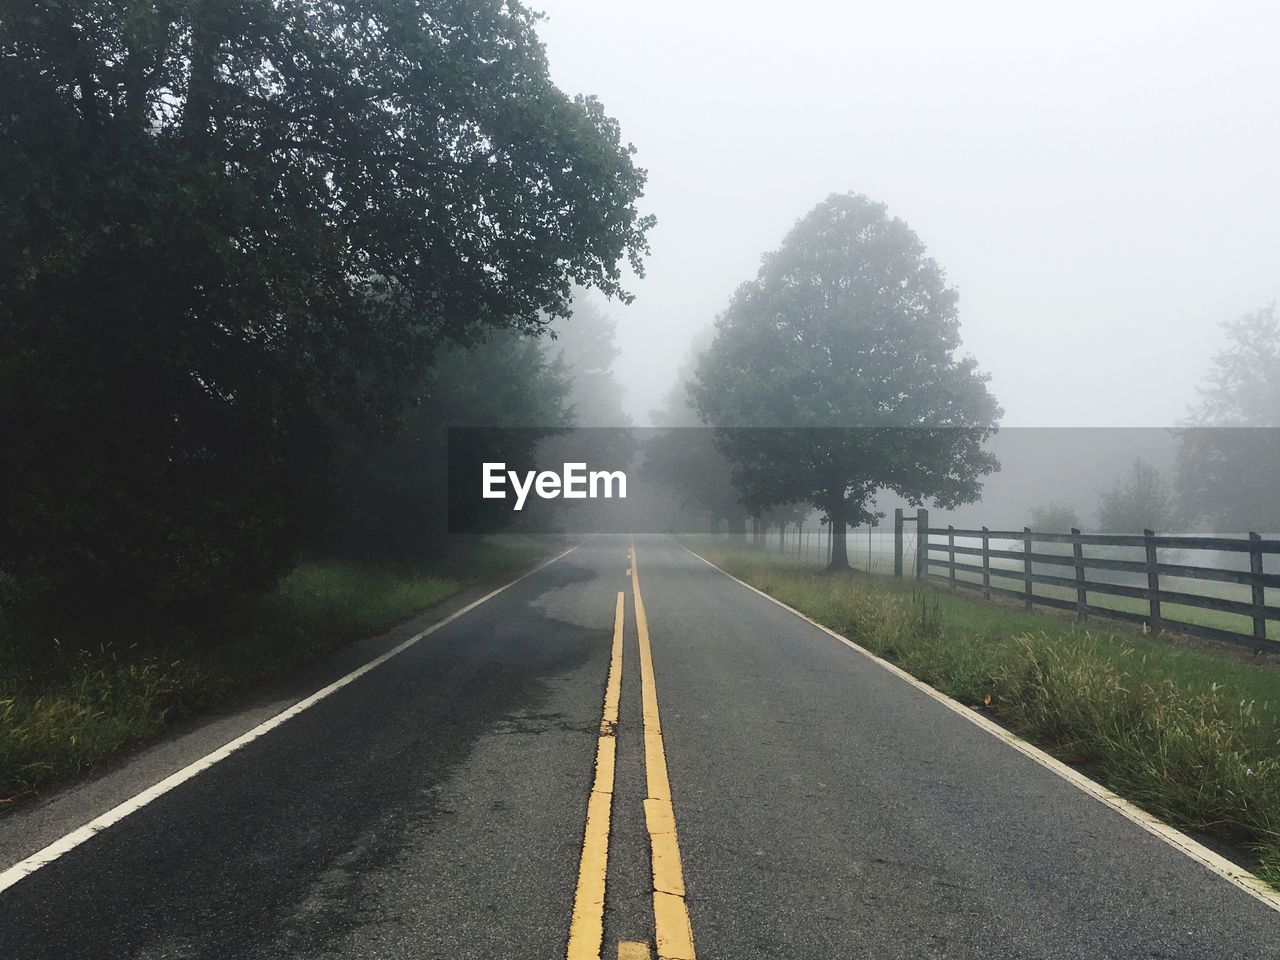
(228, 227)
(834, 375)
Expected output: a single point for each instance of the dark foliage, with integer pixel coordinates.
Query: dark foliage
(500, 397)
(230, 227)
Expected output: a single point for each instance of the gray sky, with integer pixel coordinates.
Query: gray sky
(1098, 179)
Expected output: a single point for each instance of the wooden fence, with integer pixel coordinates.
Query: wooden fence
(971, 567)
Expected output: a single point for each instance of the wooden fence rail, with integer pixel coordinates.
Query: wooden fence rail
(951, 558)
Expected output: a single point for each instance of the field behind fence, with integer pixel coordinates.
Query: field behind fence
(1219, 587)
(870, 548)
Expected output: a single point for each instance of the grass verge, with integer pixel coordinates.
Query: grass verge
(1189, 735)
(71, 707)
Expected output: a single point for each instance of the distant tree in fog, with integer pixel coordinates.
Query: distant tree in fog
(1229, 448)
(586, 343)
(1243, 388)
(677, 408)
(683, 456)
(391, 500)
(834, 374)
(1143, 499)
(1054, 518)
(585, 346)
(686, 460)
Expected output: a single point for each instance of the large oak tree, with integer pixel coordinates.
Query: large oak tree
(834, 374)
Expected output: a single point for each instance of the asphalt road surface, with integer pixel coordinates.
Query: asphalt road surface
(818, 806)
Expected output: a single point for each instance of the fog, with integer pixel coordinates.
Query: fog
(1098, 180)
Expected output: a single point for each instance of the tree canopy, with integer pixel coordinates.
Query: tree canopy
(393, 495)
(586, 343)
(1141, 500)
(230, 225)
(1229, 448)
(1054, 517)
(680, 456)
(834, 373)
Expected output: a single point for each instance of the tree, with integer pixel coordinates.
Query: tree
(230, 227)
(1054, 518)
(1243, 387)
(834, 374)
(586, 346)
(586, 343)
(678, 408)
(1141, 500)
(393, 498)
(680, 456)
(1229, 447)
(684, 459)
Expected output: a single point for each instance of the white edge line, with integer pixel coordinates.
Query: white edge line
(1246, 881)
(70, 841)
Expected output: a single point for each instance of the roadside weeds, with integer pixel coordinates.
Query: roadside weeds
(74, 707)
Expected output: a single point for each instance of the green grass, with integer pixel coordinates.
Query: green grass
(71, 707)
(1010, 577)
(1190, 733)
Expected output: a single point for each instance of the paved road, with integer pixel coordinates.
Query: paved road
(435, 807)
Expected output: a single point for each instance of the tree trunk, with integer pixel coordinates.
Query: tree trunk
(839, 549)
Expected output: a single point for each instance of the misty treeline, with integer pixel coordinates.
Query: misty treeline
(834, 377)
(1227, 451)
(255, 255)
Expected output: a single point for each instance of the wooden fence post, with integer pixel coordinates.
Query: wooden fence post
(922, 544)
(1026, 567)
(951, 555)
(897, 542)
(1259, 593)
(986, 564)
(1153, 579)
(1082, 599)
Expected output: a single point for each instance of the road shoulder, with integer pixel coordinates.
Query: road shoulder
(36, 822)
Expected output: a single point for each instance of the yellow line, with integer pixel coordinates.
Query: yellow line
(586, 932)
(672, 929)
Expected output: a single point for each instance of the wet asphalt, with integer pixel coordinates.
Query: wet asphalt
(434, 808)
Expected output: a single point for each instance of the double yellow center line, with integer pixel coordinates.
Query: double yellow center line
(672, 930)
(586, 932)
(670, 913)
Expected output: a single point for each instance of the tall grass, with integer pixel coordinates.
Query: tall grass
(1190, 736)
(68, 707)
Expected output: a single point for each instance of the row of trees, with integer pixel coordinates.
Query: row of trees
(251, 252)
(1228, 450)
(1141, 499)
